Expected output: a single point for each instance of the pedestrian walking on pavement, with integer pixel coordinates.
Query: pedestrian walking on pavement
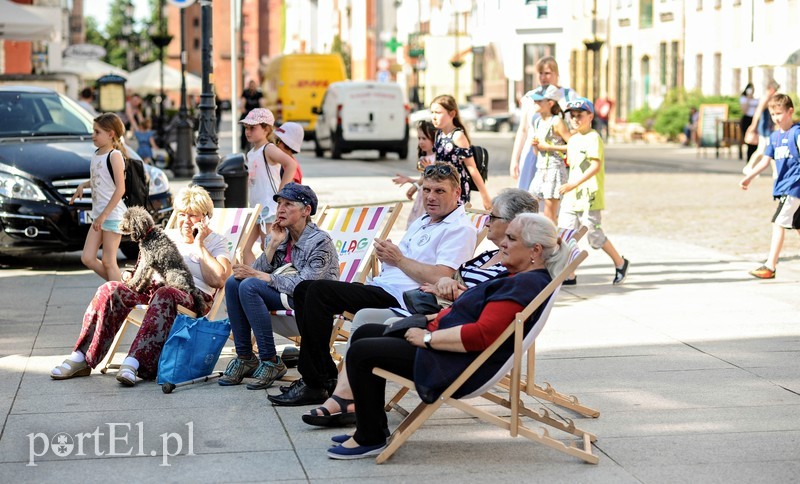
(783, 149)
(584, 193)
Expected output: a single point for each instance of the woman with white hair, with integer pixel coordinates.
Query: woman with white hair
(531, 252)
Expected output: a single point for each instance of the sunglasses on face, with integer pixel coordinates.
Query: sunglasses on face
(443, 170)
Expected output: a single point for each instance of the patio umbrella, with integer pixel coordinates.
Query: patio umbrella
(147, 79)
(19, 23)
(90, 69)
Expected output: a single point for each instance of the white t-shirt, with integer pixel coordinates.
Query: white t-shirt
(450, 242)
(103, 187)
(752, 104)
(217, 246)
(262, 188)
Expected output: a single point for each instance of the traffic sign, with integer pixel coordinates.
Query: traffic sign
(181, 3)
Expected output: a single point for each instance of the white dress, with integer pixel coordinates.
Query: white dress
(103, 187)
(263, 180)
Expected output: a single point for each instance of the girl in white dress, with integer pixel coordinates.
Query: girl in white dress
(550, 142)
(269, 168)
(107, 191)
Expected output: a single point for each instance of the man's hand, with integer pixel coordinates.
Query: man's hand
(387, 252)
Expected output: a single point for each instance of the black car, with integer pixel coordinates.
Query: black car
(501, 123)
(45, 151)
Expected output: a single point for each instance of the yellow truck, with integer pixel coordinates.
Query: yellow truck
(294, 84)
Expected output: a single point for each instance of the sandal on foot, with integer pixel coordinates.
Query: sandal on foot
(74, 369)
(123, 375)
(322, 417)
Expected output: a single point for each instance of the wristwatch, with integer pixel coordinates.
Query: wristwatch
(427, 340)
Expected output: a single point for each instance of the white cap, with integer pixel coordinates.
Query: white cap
(291, 134)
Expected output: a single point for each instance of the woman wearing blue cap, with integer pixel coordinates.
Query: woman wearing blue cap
(295, 250)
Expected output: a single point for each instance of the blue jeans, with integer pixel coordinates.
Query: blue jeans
(249, 302)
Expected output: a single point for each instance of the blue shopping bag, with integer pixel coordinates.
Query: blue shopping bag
(192, 348)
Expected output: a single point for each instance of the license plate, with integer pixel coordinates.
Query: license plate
(85, 217)
(360, 128)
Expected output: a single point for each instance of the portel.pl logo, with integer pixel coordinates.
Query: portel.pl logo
(115, 439)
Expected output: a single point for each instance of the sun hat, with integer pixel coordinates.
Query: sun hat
(298, 193)
(292, 135)
(550, 92)
(580, 104)
(259, 116)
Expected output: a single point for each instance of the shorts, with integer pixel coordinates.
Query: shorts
(111, 226)
(590, 219)
(788, 213)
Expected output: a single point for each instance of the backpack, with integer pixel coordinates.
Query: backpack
(137, 186)
(481, 157)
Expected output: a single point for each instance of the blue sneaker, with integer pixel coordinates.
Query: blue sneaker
(342, 453)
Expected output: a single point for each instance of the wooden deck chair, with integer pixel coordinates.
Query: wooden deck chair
(494, 390)
(235, 224)
(547, 392)
(353, 230)
(478, 218)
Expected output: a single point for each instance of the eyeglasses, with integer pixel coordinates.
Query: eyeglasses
(442, 169)
(494, 218)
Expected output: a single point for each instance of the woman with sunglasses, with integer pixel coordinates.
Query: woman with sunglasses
(452, 145)
(532, 252)
(337, 411)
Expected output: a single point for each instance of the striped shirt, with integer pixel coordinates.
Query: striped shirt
(473, 274)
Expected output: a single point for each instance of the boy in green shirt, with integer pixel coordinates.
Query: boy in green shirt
(583, 194)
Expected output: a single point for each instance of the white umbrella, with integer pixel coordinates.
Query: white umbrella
(19, 23)
(90, 69)
(147, 79)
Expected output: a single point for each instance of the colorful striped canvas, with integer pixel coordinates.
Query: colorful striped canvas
(352, 230)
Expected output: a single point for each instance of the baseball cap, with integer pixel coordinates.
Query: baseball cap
(291, 134)
(298, 193)
(580, 104)
(259, 116)
(550, 92)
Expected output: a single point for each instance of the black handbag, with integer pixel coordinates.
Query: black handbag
(420, 302)
(400, 326)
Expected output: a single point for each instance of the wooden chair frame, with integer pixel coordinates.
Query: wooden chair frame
(247, 224)
(580, 448)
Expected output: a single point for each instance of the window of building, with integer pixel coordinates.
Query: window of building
(531, 55)
(717, 73)
(196, 43)
(675, 81)
(699, 4)
(645, 14)
(717, 4)
(478, 62)
(736, 80)
(196, 22)
(629, 69)
(698, 75)
(541, 7)
(646, 78)
(663, 64)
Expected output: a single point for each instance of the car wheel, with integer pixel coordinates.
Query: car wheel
(318, 151)
(130, 250)
(403, 151)
(336, 146)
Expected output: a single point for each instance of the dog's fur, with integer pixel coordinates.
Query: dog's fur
(157, 255)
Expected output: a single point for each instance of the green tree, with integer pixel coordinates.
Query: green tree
(343, 50)
(93, 34)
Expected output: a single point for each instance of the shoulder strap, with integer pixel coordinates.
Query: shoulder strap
(266, 167)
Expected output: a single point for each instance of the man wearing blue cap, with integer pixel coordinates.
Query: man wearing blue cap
(583, 195)
(434, 246)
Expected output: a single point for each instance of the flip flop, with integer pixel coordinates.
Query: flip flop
(75, 369)
(122, 375)
(322, 417)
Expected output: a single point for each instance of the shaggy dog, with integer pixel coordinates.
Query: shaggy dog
(157, 255)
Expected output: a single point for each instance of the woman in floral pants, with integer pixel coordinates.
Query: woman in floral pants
(207, 257)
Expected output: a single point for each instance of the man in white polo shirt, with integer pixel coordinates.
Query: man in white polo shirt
(434, 246)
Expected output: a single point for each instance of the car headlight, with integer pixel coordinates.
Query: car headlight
(158, 180)
(490, 121)
(14, 186)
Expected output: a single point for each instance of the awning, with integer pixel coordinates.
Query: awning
(147, 79)
(18, 22)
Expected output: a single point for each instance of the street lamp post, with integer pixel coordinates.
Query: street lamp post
(182, 166)
(207, 148)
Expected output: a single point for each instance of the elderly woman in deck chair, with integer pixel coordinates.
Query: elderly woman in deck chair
(205, 254)
(531, 251)
(337, 410)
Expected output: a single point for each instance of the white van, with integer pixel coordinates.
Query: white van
(362, 115)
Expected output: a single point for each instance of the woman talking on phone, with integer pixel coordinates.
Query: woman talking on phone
(205, 254)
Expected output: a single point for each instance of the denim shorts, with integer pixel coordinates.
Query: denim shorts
(112, 226)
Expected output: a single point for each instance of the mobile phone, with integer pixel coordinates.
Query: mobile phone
(194, 233)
